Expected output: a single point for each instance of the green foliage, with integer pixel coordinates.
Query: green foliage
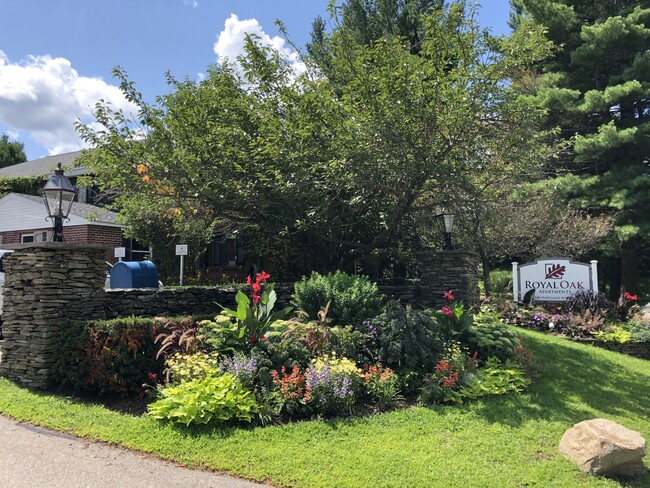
(254, 315)
(180, 368)
(350, 343)
(28, 185)
(344, 163)
(213, 399)
(614, 333)
(11, 152)
(490, 337)
(501, 281)
(353, 298)
(454, 321)
(408, 338)
(639, 331)
(495, 378)
(109, 356)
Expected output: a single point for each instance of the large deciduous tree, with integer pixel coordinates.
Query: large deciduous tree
(340, 160)
(596, 87)
(11, 152)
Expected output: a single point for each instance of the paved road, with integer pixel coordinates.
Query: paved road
(32, 457)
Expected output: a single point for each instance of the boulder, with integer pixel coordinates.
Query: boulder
(602, 447)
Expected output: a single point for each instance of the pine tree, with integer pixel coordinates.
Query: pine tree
(596, 88)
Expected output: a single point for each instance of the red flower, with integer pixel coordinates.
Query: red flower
(256, 299)
(256, 287)
(248, 280)
(449, 295)
(447, 311)
(629, 297)
(264, 275)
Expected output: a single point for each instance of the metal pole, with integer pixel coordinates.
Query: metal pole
(447, 241)
(594, 276)
(58, 229)
(515, 282)
(182, 269)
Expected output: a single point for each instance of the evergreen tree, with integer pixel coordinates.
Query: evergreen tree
(596, 88)
(11, 152)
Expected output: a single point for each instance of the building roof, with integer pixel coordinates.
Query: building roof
(23, 212)
(44, 166)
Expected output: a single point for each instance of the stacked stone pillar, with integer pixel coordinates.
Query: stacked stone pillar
(448, 270)
(46, 285)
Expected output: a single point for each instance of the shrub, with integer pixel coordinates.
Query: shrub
(495, 378)
(351, 343)
(211, 399)
(492, 338)
(290, 391)
(109, 356)
(353, 298)
(501, 281)
(180, 368)
(407, 338)
(639, 331)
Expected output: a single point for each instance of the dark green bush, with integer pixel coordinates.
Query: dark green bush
(501, 281)
(109, 356)
(353, 298)
(407, 338)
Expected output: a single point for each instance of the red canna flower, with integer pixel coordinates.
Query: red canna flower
(630, 297)
(248, 280)
(449, 295)
(447, 311)
(264, 275)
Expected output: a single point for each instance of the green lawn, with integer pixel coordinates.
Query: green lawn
(501, 441)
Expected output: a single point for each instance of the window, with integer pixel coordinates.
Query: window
(40, 236)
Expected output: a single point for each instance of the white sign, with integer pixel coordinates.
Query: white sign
(181, 250)
(120, 252)
(553, 279)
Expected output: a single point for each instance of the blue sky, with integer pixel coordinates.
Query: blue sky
(56, 57)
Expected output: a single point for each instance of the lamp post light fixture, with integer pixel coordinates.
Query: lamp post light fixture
(58, 195)
(446, 224)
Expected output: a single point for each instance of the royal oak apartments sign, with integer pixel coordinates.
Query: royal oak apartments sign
(553, 279)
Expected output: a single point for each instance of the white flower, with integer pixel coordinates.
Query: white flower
(551, 325)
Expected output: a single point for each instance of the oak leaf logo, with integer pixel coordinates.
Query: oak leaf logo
(555, 271)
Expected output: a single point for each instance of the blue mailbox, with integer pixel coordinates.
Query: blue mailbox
(134, 274)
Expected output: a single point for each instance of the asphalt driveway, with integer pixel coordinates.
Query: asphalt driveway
(33, 457)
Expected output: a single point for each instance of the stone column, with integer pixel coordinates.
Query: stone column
(448, 270)
(46, 284)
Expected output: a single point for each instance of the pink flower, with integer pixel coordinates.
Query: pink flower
(447, 311)
(449, 295)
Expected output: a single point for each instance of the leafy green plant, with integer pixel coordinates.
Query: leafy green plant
(494, 378)
(454, 319)
(444, 384)
(614, 333)
(490, 337)
(407, 338)
(180, 368)
(639, 331)
(218, 398)
(254, 315)
(353, 298)
(501, 281)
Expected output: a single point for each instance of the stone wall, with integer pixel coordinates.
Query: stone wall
(46, 284)
(449, 270)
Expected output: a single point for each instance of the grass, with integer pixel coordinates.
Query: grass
(501, 441)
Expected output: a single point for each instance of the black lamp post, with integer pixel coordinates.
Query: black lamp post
(58, 195)
(446, 223)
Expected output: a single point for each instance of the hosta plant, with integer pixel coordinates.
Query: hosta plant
(211, 399)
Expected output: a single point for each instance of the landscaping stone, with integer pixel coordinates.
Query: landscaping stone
(602, 447)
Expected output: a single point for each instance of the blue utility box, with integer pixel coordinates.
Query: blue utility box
(134, 274)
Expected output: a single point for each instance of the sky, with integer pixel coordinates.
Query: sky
(57, 57)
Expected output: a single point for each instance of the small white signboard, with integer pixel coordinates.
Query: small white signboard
(120, 252)
(553, 279)
(181, 250)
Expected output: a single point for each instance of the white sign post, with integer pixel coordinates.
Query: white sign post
(553, 279)
(181, 250)
(120, 252)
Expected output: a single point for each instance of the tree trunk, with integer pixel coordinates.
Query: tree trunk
(615, 279)
(629, 275)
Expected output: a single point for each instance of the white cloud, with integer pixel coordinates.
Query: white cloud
(191, 3)
(230, 42)
(44, 96)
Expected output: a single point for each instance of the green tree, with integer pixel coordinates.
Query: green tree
(11, 152)
(341, 167)
(596, 88)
